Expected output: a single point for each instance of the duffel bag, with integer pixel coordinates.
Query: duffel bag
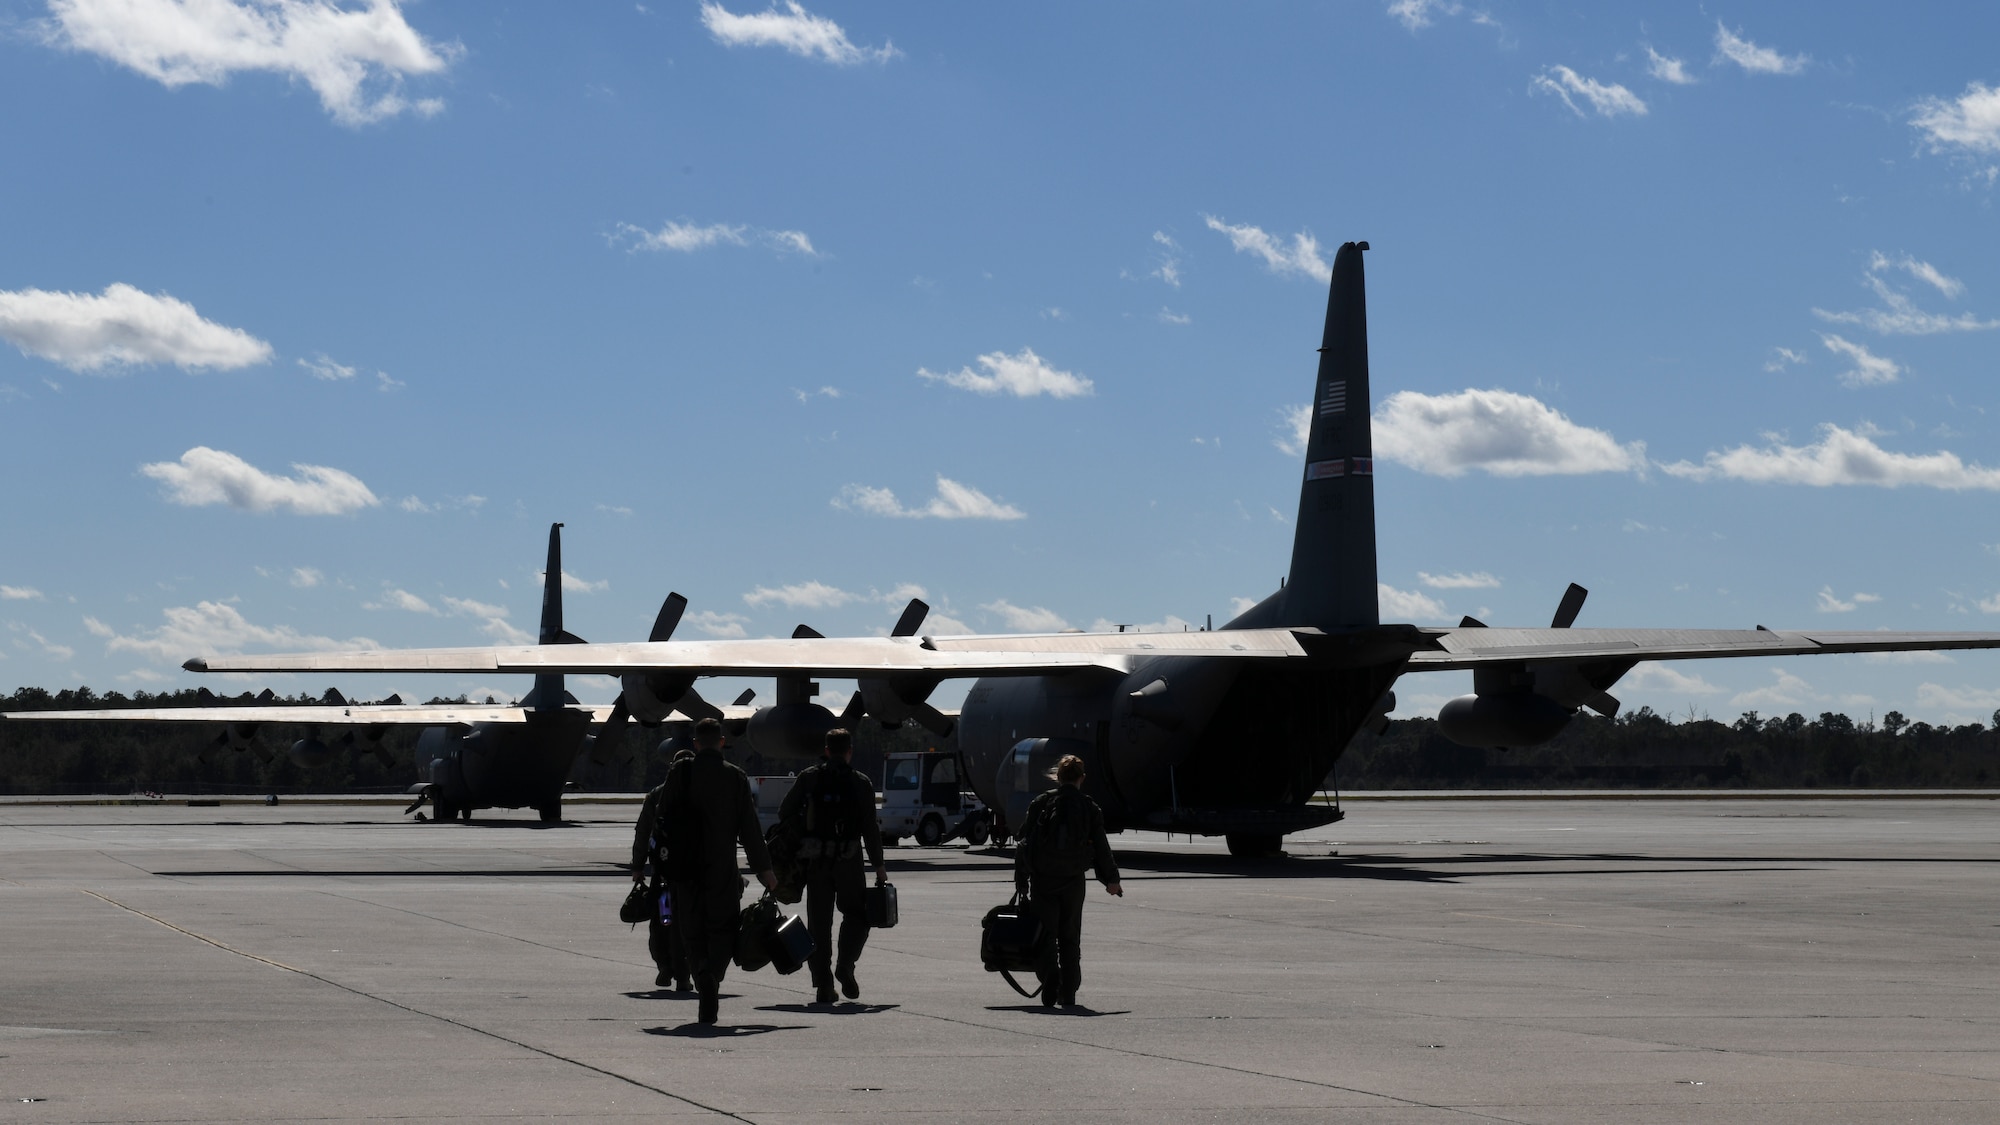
(638, 906)
(766, 935)
(1010, 941)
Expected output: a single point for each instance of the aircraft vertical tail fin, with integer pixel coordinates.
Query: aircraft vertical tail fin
(548, 691)
(1332, 580)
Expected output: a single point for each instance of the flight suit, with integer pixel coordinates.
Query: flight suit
(706, 886)
(663, 941)
(1055, 882)
(835, 877)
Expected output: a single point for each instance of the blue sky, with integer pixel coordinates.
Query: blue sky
(315, 315)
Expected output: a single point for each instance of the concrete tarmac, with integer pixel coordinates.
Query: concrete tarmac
(1520, 961)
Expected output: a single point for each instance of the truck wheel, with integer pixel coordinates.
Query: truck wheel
(975, 830)
(930, 831)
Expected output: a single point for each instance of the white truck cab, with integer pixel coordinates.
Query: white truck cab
(923, 797)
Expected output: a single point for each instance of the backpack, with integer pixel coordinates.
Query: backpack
(1060, 841)
(681, 839)
(833, 812)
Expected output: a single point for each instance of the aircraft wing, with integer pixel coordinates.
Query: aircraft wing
(1470, 648)
(832, 657)
(432, 715)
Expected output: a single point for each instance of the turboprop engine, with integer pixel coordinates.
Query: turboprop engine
(1516, 705)
(789, 730)
(1503, 721)
(310, 752)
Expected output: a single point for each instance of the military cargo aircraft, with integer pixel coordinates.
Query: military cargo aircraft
(1224, 732)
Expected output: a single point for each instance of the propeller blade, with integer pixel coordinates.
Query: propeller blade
(912, 619)
(1572, 604)
(393, 701)
(694, 706)
(744, 699)
(805, 632)
(1470, 622)
(669, 618)
(612, 734)
(857, 706)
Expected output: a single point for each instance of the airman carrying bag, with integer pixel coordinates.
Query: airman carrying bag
(1011, 940)
(880, 901)
(766, 935)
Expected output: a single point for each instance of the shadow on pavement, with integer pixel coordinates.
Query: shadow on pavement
(723, 1030)
(1073, 1012)
(847, 1009)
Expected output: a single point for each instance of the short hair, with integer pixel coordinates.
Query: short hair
(708, 732)
(839, 741)
(1070, 769)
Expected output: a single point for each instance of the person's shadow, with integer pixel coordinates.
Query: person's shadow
(829, 1009)
(721, 1030)
(1072, 1010)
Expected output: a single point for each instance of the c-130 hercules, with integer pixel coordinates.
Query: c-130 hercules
(1225, 732)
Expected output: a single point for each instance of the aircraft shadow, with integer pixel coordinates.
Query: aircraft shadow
(847, 1009)
(421, 873)
(1446, 869)
(723, 1031)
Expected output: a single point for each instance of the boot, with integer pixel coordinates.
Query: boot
(849, 987)
(711, 1007)
(665, 979)
(683, 985)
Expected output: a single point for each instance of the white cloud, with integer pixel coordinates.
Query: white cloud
(1416, 15)
(306, 577)
(1732, 47)
(1869, 370)
(1961, 704)
(1459, 580)
(945, 625)
(1169, 316)
(808, 396)
(953, 501)
(1913, 656)
(1023, 376)
(1667, 69)
(1902, 317)
(322, 366)
(49, 648)
(406, 601)
(1026, 619)
(1785, 690)
(1408, 605)
(1299, 259)
(1656, 677)
(470, 502)
(1294, 429)
(727, 626)
(574, 584)
(794, 29)
(213, 627)
(20, 594)
(1782, 358)
(492, 618)
(686, 238)
(1608, 99)
(121, 327)
(1970, 122)
(1923, 271)
(803, 595)
(1500, 432)
(1828, 603)
(1839, 457)
(1169, 267)
(210, 476)
(1240, 606)
(385, 384)
(354, 59)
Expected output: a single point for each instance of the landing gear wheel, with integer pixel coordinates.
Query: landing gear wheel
(1255, 845)
(465, 814)
(443, 811)
(551, 813)
(976, 830)
(930, 831)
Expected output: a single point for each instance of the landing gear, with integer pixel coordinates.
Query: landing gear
(551, 813)
(1255, 845)
(975, 829)
(465, 814)
(442, 810)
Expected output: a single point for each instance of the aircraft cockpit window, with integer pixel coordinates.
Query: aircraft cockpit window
(902, 775)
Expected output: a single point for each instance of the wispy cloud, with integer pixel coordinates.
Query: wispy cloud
(1658, 677)
(1459, 580)
(686, 238)
(20, 594)
(121, 327)
(211, 627)
(1869, 370)
(1026, 619)
(1731, 46)
(808, 396)
(803, 595)
(1667, 69)
(1415, 15)
(322, 366)
(398, 598)
(1969, 122)
(1168, 267)
(1298, 258)
(727, 626)
(573, 584)
(1498, 432)
(1024, 375)
(1294, 429)
(1169, 316)
(209, 476)
(1608, 99)
(1782, 358)
(471, 502)
(354, 59)
(1840, 457)
(793, 29)
(954, 501)
(306, 577)
(1900, 315)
